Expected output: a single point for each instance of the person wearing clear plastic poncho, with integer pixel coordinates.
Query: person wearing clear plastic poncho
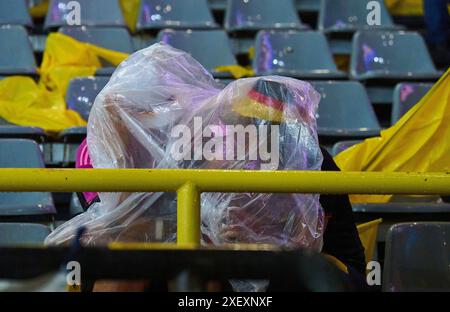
(131, 125)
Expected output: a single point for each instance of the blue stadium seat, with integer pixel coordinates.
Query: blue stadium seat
(406, 95)
(342, 146)
(339, 19)
(22, 234)
(14, 13)
(82, 92)
(417, 257)
(93, 13)
(175, 14)
(16, 57)
(8, 130)
(113, 38)
(20, 153)
(384, 58)
(210, 47)
(308, 5)
(350, 16)
(345, 110)
(387, 55)
(80, 97)
(254, 15)
(303, 55)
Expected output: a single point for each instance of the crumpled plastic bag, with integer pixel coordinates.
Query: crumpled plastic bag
(418, 142)
(159, 91)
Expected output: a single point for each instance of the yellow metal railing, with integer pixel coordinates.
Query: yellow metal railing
(190, 183)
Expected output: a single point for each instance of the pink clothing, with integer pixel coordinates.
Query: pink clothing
(83, 161)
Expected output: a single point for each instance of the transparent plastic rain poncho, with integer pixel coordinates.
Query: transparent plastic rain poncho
(137, 121)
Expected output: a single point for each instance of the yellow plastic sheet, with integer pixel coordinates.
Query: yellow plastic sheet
(23, 102)
(418, 142)
(39, 10)
(236, 71)
(368, 236)
(130, 11)
(26, 103)
(405, 7)
(66, 58)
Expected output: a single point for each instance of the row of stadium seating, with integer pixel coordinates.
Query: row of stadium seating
(240, 15)
(380, 59)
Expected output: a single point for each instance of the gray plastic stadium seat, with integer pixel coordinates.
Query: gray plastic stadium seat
(17, 56)
(80, 97)
(14, 13)
(308, 5)
(20, 153)
(350, 16)
(345, 110)
(21, 132)
(82, 92)
(113, 38)
(406, 95)
(93, 13)
(22, 234)
(297, 54)
(254, 15)
(342, 146)
(396, 55)
(175, 14)
(417, 257)
(210, 47)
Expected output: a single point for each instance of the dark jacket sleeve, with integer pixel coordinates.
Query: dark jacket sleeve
(341, 238)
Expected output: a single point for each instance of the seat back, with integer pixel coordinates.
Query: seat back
(379, 54)
(292, 53)
(22, 234)
(345, 109)
(92, 13)
(417, 257)
(210, 47)
(406, 95)
(81, 94)
(159, 14)
(261, 14)
(21, 153)
(112, 38)
(14, 13)
(350, 16)
(17, 56)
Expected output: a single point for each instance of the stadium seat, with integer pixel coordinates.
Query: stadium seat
(80, 97)
(210, 47)
(308, 5)
(251, 15)
(22, 234)
(384, 58)
(20, 153)
(303, 55)
(175, 14)
(93, 13)
(82, 92)
(387, 55)
(350, 16)
(14, 13)
(339, 19)
(113, 38)
(417, 257)
(340, 102)
(16, 57)
(342, 146)
(406, 95)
